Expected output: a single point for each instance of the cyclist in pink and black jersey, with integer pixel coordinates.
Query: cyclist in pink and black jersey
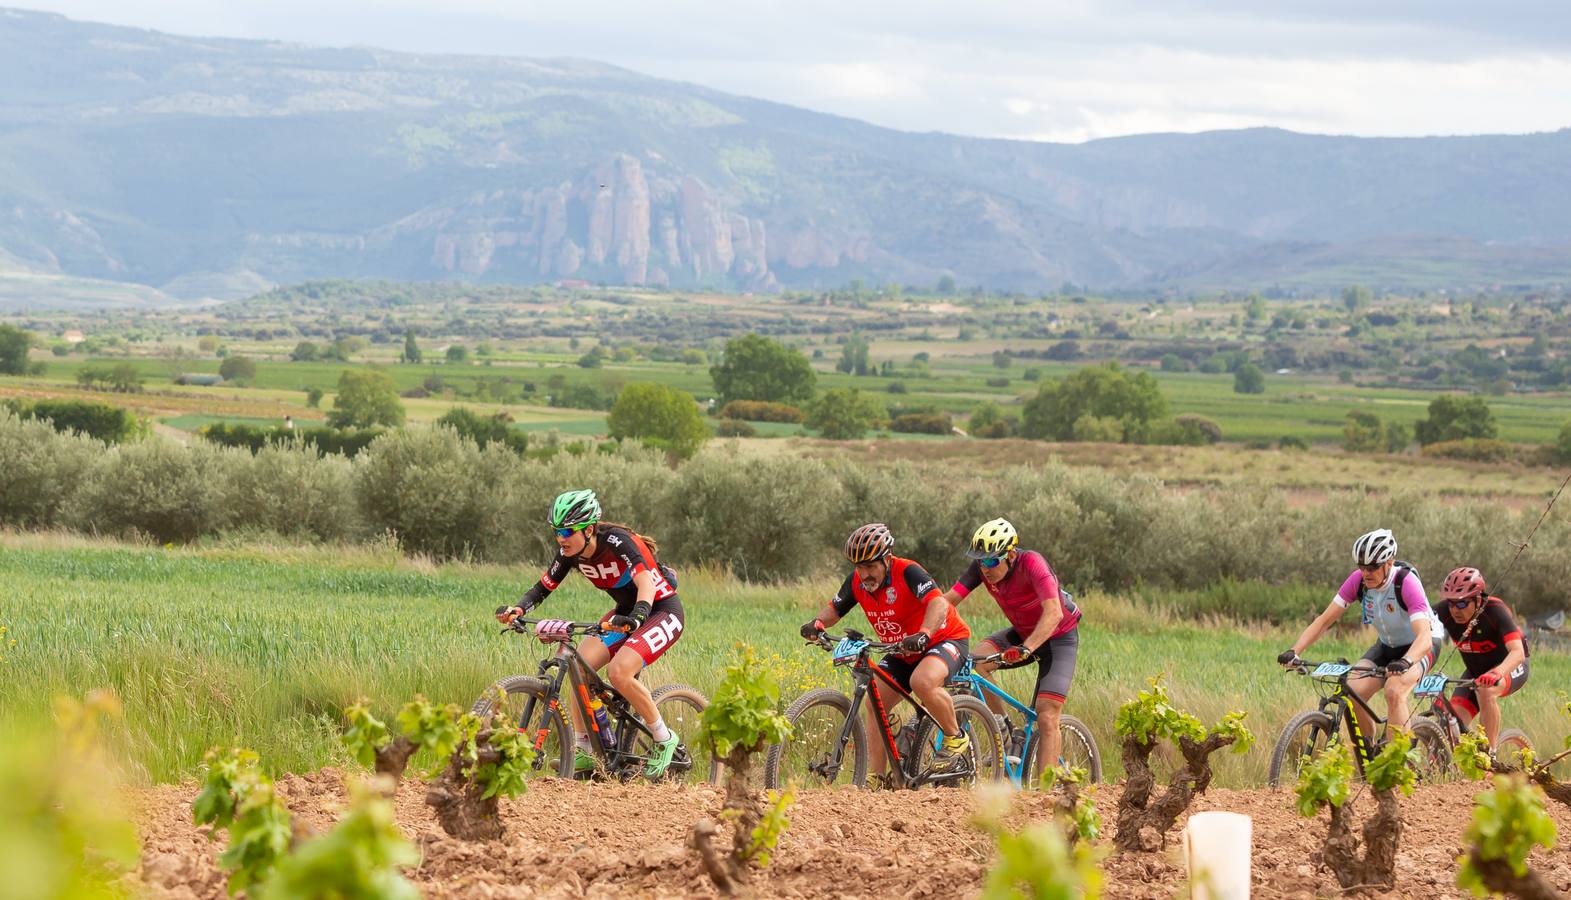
(1407, 631)
(1043, 624)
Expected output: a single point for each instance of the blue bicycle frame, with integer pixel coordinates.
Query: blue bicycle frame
(1014, 766)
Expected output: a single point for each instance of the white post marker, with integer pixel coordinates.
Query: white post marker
(1217, 849)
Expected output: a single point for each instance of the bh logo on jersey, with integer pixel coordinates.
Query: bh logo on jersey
(889, 595)
(602, 571)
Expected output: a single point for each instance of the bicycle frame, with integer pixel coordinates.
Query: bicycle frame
(1338, 705)
(571, 666)
(867, 677)
(967, 676)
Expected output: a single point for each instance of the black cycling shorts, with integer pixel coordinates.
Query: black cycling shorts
(1465, 698)
(1055, 660)
(953, 652)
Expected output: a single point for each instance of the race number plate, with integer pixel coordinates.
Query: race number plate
(848, 649)
(1332, 669)
(1430, 684)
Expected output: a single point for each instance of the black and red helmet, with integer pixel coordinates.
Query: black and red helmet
(870, 543)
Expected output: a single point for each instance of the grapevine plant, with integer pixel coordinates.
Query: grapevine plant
(237, 798)
(1326, 782)
(1508, 822)
(1039, 861)
(743, 718)
(1144, 821)
(476, 764)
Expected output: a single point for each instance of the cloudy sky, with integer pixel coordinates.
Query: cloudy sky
(1061, 70)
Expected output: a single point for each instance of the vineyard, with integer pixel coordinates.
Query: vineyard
(839, 844)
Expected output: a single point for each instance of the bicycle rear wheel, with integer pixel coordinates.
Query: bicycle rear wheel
(803, 758)
(1077, 750)
(513, 697)
(1510, 747)
(680, 708)
(985, 759)
(1304, 735)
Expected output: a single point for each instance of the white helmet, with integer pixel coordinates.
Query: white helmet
(1375, 548)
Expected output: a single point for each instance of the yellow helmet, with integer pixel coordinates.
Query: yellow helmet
(993, 539)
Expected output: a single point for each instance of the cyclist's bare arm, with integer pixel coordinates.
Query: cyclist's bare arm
(1516, 654)
(953, 597)
(828, 616)
(1052, 614)
(937, 614)
(1422, 641)
(1318, 627)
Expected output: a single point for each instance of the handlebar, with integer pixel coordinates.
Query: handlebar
(828, 641)
(999, 658)
(1305, 667)
(522, 625)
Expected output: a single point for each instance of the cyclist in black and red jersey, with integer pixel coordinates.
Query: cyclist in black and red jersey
(1492, 646)
(904, 606)
(645, 622)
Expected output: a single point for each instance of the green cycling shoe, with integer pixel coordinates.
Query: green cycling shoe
(660, 760)
(583, 761)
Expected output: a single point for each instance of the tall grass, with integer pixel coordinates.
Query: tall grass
(262, 644)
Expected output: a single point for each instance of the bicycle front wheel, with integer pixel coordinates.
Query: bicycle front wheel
(523, 700)
(1511, 746)
(1434, 748)
(985, 759)
(1304, 735)
(1077, 750)
(807, 756)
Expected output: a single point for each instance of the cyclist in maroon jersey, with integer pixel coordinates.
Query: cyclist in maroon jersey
(1044, 625)
(1493, 649)
(646, 620)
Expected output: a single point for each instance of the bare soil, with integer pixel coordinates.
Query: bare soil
(600, 840)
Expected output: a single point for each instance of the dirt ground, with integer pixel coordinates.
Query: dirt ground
(602, 840)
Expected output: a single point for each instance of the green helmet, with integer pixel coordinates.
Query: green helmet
(575, 509)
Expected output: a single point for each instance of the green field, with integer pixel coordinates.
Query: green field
(261, 645)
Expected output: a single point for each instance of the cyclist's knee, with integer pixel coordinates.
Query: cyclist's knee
(624, 670)
(1049, 707)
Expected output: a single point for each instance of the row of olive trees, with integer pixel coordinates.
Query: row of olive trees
(762, 517)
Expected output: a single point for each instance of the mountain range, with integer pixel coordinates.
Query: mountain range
(217, 167)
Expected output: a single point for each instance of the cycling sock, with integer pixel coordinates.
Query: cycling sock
(661, 733)
(581, 741)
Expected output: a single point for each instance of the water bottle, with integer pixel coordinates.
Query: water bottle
(602, 721)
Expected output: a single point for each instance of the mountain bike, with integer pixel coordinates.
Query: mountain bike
(1078, 746)
(623, 744)
(825, 723)
(1511, 743)
(1309, 731)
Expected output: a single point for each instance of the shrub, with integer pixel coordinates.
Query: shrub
(1248, 379)
(366, 398)
(661, 416)
(1099, 391)
(1363, 432)
(782, 540)
(1453, 417)
(14, 343)
(157, 487)
(998, 382)
(1097, 430)
(754, 367)
(288, 490)
(237, 368)
(922, 423)
(100, 421)
(843, 414)
(336, 441)
(735, 428)
(437, 492)
(1292, 442)
(1563, 445)
(988, 421)
(485, 430)
(1172, 362)
(1471, 449)
(1197, 430)
(762, 411)
(40, 470)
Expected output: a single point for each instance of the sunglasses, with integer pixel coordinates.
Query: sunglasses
(990, 562)
(1462, 604)
(568, 532)
(1374, 568)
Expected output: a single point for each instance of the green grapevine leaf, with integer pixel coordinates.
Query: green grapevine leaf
(366, 734)
(1508, 821)
(1396, 766)
(745, 711)
(1325, 780)
(1472, 756)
